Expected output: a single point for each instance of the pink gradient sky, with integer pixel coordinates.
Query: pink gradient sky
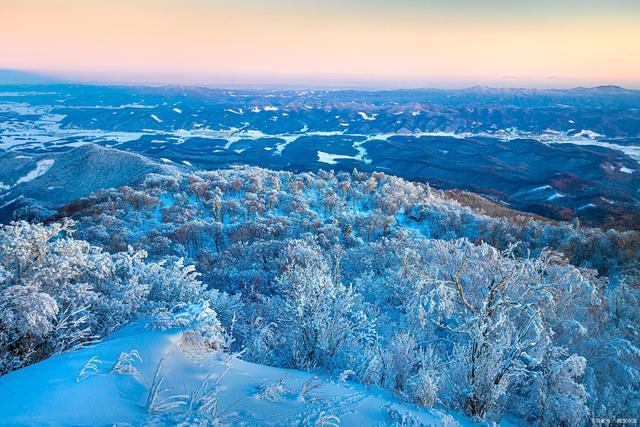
(282, 42)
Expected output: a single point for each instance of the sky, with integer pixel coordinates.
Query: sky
(375, 43)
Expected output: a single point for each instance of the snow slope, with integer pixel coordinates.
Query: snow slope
(41, 168)
(53, 393)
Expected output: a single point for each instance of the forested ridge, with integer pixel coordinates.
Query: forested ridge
(366, 276)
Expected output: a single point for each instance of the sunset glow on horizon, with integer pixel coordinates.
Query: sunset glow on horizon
(410, 43)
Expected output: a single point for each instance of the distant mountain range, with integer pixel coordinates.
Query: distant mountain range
(17, 77)
(558, 153)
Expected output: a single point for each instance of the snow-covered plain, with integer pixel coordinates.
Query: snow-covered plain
(29, 133)
(331, 159)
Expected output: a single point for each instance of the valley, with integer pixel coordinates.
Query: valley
(562, 154)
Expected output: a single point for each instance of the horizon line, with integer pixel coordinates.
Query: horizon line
(316, 82)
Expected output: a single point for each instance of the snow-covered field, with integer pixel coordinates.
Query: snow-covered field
(58, 392)
(331, 159)
(45, 131)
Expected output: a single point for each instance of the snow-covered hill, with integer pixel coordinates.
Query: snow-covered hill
(82, 387)
(358, 277)
(39, 182)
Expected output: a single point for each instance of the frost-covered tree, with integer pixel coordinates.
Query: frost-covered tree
(322, 320)
(562, 399)
(57, 292)
(443, 297)
(497, 304)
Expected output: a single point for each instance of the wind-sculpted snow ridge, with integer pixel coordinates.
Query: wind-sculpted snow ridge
(162, 377)
(362, 277)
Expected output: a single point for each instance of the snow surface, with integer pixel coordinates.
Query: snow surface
(9, 202)
(587, 206)
(331, 159)
(41, 168)
(546, 191)
(542, 187)
(629, 150)
(366, 116)
(362, 152)
(282, 145)
(52, 392)
(586, 133)
(556, 196)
